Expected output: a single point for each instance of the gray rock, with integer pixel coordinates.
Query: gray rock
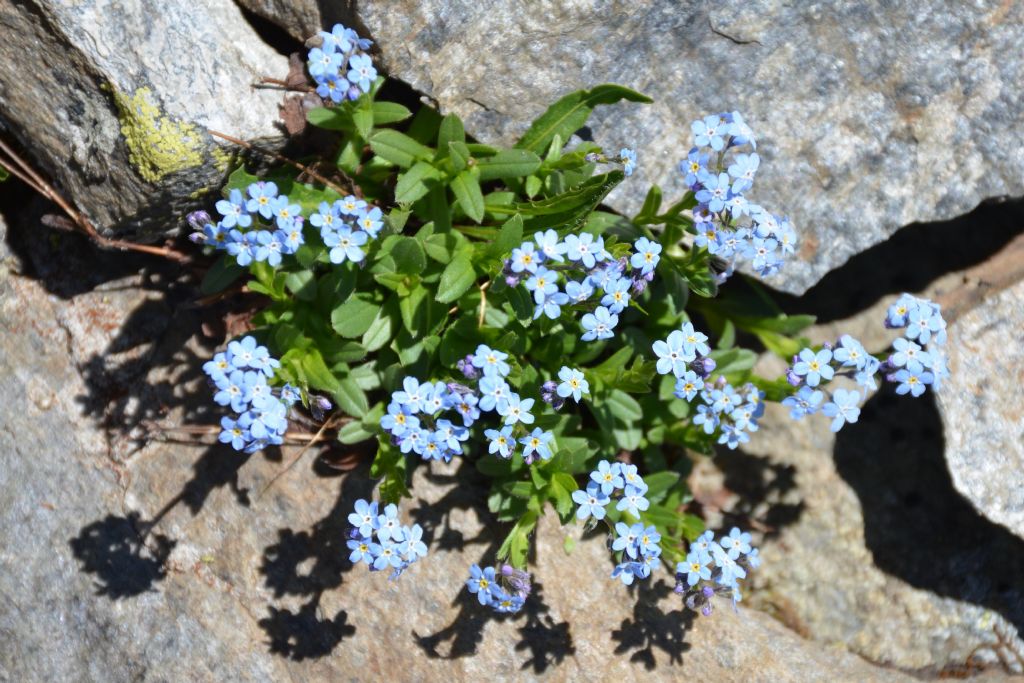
(300, 18)
(113, 101)
(153, 559)
(870, 117)
(981, 408)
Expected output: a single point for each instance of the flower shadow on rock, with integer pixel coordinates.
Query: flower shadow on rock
(651, 628)
(126, 559)
(916, 524)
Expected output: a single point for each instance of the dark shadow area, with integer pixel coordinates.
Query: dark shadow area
(549, 642)
(918, 527)
(305, 635)
(125, 559)
(909, 260)
(767, 491)
(652, 629)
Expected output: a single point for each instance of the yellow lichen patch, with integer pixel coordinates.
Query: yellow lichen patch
(157, 144)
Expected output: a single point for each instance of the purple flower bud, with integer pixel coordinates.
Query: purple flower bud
(703, 366)
(198, 220)
(707, 592)
(793, 378)
(323, 403)
(396, 440)
(828, 345)
(512, 280)
(592, 157)
(680, 588)
(639, 285)
(459, 389)
(319, 405)
(197, 238)
(466, 367)
(886, 366)
(706, 610)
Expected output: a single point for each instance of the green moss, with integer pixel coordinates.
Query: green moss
(157, 144)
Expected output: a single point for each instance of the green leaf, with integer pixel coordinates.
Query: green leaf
(570, 208)
(624, 406)
(398, 148)
(570, 113)
(333, 118)
(408, 254)
(354, 317)
(508, 163)
(389, 112)
(382, 329)
(658, 485)
(509, 237)
(4, 174)
(302, 284)
(459, 154)
(734, 361)
(220, 275)
(451, 130)
(317, 372)
(355, 432)
(350, 398)
(458, 276)
(467, 191)
(416, 182)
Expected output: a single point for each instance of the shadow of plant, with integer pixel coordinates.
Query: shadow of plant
(916, 524)
(125, 559)
(650, 628)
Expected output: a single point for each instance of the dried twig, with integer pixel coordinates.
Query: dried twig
(328, 423)
(21, 170)
(295, 164)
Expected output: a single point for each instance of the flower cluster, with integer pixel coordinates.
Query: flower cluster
(340, 66)
(595, 282)
(381, 542)
(910, 366)
(726, 223)
(258, 226)
(346, 226)
(715, 568)
(413, 418)
(639, 544)
(504, 591)
(733, 412)
(240, 376)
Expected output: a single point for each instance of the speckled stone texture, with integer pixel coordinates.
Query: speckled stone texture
(870, 116)
(135, 559)
(983, 408)
(112, 100)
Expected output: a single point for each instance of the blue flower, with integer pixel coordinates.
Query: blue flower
(630, 476)
(345, 244)
(740, 131)
(494, 393)
(398, 419)
(732, 436)
(909, 355)
(234, 211)
(616, 297)
(350, 206)
(413, 440)
(517, 410)
(543, 284)
(388, 527)
(715, 192)
(627, 538)
(525, 258)
(695, 166)
(491, 362)
(814, 366)
(696, 567)
(628, 159)
(673, 355)
(537, 442)
(646, 255)
(502, 442)
(706, 418)
(850, 353)
(573, 384)
(323, 62)
(743, 170)
(465, 404)
(332, 87)
(912, 382)
(694, 341)
(325, 217)
(412, 394)
(710, 132)
(504, 603)
(599, 324)
(804, 402)
(591, 502)
(584, 248)
(730, 570)
(284, 212)
(688, 385)
(363, 550)
(633, 501)
(607, 477)
(922, 322)
(897, 314)
(481, 582)
(549, 245)
(413, 547)
(233, 434)
(736, 543)
(578, 292)
(261, 195)
(625, 572)
(388, 556)
(371, 222)
(240, 246)
(843, 408)
(551, 306)
(364, 519)
(337, 40)
(361, 72)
